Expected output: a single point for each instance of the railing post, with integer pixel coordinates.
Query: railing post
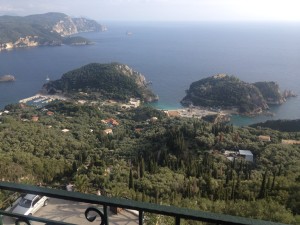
(177, 220)
(141, 216)
(105, 215)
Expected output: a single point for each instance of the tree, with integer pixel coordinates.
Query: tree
(82, 183)
(130, 184)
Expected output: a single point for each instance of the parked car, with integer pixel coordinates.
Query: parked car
(29, 204)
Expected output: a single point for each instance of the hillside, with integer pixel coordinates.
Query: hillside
(178, 161)
(104, 81)
(223, 91)
(41, 29)
(280, 125)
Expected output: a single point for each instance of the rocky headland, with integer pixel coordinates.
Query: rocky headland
(102, 81)
(49, 29)
(228, 92)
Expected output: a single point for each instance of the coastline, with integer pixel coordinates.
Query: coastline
(220, 115)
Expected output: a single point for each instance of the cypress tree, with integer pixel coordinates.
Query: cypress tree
(142, 168)
(262, 192)
(130, 184)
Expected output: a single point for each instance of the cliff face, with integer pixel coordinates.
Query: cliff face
(65, 27)
(271, 92)
(69, 26)
(42, 29)
(106, 81)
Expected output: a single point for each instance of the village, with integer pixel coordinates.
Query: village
(219, 115)
(112, 123)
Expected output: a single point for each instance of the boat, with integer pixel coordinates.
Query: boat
(103, 28)
(47, 79)
(7, 78)
(128, 33)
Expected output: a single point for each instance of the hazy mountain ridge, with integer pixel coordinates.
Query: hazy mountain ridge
(42, 29)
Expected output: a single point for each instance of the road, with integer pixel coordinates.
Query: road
(73, 212)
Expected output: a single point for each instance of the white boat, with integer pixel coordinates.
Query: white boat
(7, 78)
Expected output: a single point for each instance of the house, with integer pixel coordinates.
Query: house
(82, 102)
(108, 131)
(134, 102)
(290, 142)
(110, 122)
(247, 155)
(172, 113)
(153, 119)
(266, 138)
(50, 113)
(34, 118)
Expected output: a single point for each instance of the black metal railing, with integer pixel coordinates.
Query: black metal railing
(92, 212)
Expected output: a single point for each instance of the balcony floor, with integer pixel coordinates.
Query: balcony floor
(73, 212)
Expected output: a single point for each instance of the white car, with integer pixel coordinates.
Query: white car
(29, 204)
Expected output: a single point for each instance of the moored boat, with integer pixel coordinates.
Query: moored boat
(7, 78)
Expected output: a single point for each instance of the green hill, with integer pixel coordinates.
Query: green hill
(280, 125)
(106, 81)
(230, 92)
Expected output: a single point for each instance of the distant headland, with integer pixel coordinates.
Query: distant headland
(49, 29)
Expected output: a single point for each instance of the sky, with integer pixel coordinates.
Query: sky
(160, 10)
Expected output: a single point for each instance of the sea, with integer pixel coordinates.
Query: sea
(171, 55)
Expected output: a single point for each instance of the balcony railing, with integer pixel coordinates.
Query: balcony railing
(92, 212)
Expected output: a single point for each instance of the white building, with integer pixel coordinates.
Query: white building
(247, 155)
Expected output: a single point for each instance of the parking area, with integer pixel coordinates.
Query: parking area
(73, 212)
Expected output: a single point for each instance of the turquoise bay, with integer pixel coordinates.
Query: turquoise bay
(171, 56)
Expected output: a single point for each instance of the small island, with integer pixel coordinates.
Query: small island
(230, 93)
(96, 81)
(7, 78)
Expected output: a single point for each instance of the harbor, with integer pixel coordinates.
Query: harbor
(40, 99)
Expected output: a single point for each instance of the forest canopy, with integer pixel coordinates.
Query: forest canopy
(154, 158)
